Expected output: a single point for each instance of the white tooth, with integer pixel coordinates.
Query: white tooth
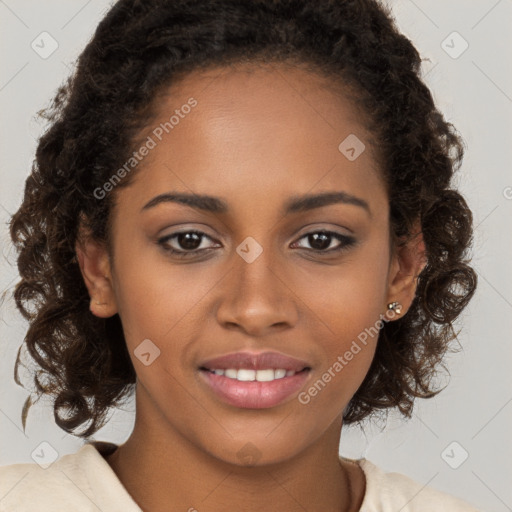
(246, 375)
(265, 375)
(280, 373)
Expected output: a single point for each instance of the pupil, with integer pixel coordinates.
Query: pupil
(319, 240)
(186, 240)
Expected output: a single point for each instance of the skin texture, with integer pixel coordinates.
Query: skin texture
(256, 137)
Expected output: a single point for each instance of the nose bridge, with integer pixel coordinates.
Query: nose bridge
(255, 272)
(256, 269)
(257, 297)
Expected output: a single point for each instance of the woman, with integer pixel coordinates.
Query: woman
(242, 213)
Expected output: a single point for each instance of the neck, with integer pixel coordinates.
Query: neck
(161, 469)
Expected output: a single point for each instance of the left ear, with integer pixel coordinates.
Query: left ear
(408, 260)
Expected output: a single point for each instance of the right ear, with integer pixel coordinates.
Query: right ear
(94, 263)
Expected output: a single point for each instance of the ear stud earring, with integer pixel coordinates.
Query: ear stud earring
(395, 306)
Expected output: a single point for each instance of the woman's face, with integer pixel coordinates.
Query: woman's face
(260, 276)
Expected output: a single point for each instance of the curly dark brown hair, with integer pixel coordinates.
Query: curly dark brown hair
(139, 49)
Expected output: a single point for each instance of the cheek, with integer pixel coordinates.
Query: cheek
(349, 297)
(347, 349)
(155, 296)
(348, 306)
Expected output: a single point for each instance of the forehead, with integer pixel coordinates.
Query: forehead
(265, 100)
(256, 129)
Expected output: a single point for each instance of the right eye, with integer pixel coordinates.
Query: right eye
(185, 243)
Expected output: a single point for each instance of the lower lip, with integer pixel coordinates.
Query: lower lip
(254, 394)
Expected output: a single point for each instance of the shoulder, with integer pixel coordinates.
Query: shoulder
(395, 491)
(79, 481)
(22, 486)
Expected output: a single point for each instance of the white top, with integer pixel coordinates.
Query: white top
(84, 482)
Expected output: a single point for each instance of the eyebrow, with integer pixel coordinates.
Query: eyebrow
(293, 205)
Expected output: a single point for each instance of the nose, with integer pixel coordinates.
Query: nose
(257, 298)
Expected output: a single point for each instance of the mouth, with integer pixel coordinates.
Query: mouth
(249, 375)
(254, 381)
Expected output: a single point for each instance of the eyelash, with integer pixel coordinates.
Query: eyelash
(346, 242)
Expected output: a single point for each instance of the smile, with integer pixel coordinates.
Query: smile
(247, 375)
(254, 389)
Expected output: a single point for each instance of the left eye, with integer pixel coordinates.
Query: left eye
(320, 241)
(189, 243)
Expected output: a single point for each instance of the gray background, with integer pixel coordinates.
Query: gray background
(473, 90)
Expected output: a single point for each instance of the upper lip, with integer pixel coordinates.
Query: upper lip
(255, 361)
